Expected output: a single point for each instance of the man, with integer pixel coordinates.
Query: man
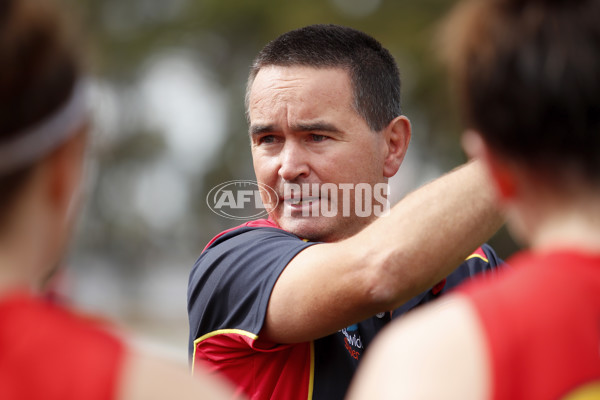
(46, 351)
(528, 75)
(286, 306)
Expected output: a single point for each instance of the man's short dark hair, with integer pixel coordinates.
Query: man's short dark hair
(528, 75)
(373, 72)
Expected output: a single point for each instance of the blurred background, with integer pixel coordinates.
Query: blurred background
(168, 82)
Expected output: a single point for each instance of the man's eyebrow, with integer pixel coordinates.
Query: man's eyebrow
(260, 129)
(317, 126)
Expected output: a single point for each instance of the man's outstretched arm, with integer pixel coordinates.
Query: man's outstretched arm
(426, 235)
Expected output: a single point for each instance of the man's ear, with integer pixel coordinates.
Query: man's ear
(499, 169)
(397, 136)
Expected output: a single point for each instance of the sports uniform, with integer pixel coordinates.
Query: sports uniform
(228, 294)
(542, 325)
(48, 353)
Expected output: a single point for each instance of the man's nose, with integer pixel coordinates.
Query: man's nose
(293, 162)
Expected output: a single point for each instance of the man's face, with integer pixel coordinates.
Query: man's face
(304, 130)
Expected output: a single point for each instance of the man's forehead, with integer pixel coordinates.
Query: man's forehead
(282, 77)
(305, 85)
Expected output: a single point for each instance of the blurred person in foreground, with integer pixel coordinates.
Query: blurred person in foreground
(47, 352)
(528, 77)
(285, 306)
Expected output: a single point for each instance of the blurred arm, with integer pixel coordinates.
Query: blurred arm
(436, 352)
(148, 378)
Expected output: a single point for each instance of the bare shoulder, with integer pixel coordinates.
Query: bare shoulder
(146, 377)
(436, 352)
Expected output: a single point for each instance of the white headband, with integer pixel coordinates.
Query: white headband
(41, 139)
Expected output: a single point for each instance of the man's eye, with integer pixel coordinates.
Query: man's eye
(267, 139)
(317, 138)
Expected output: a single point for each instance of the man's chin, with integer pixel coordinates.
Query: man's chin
(322, 229)
(314, 229)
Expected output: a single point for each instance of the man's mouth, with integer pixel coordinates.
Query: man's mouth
(300, 201)
(306, 201)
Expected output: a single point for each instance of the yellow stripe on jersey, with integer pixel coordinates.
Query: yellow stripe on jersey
(311, 377)
(477, 256)
(220, 332)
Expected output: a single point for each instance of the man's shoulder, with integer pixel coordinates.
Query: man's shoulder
(262, 225)
(253, 248)
(486, 257)
(242, 265)
(483, 261)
